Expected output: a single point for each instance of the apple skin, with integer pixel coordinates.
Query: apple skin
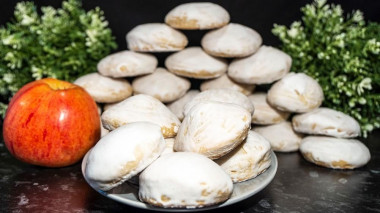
(51, 123)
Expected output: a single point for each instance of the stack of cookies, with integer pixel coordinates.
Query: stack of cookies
(329, 144)
(174, 136)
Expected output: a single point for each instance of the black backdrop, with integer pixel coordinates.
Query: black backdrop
(260, 15)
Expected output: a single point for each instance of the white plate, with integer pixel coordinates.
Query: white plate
(127, 193)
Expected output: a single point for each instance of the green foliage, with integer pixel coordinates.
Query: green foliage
(342, 54)
(62, 43)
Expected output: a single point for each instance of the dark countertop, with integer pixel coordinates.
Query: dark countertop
(298, 186)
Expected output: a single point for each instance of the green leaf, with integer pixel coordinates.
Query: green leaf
(62, 43)
(342, 54)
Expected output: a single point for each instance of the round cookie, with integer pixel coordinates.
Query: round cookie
(267, 65)
(225, 82)
(336, 153)
(141, 108)
(249, 159)
(325, 121)
(213, 129)
(177, 106)
(163, 85)
(197, 16)
(281, 136)
(105, 89)
(221, 95)
(103, 131)
(123, 153)
(193, 62)
(107, 106)
(155, 37)
(296, 92)
(232, 40)
(265, 114)
(127, 64)
(184, 180)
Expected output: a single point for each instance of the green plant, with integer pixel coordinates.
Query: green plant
(62, 43)
(342, 54)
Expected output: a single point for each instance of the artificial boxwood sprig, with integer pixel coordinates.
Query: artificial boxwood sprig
(62, 43)
(342, 54)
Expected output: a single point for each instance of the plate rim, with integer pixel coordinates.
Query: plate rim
(272, 170)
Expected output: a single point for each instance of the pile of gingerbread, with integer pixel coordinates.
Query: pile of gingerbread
(188, 146)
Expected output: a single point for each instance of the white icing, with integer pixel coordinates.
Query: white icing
(232, 40)
(213, 129)
(281, 136)
(335, 153)
(225, 82)
(184, 180)
(141, 108)
(265, 114)
(105, 89)
(155, 37)
(296, 92)
(103, 131)
(169, 146)
(127, 64)
(265, 66)
(123, 153)
(177, 106)
(221, 95)
(161, 84)
(248, 160)
(325, 121)
(107, 106)
(195, 63)
(198, 15)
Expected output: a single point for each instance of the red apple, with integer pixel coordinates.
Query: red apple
(51, 123)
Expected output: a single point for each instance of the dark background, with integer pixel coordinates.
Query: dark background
(123, 15)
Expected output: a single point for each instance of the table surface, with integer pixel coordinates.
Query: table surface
(298, 186)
